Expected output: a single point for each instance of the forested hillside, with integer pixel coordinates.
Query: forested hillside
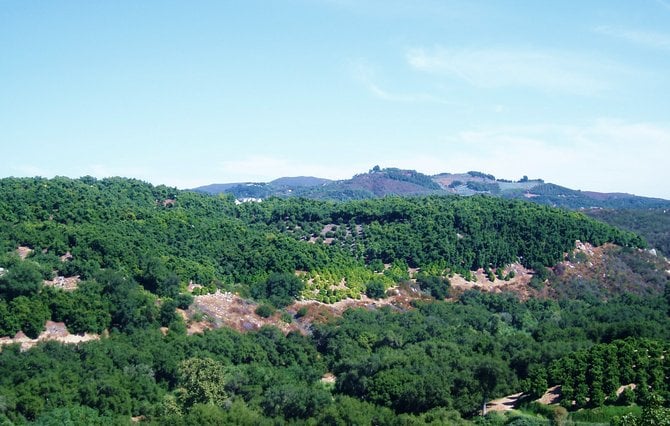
(652, 224)
(135, 248)
(378, 182)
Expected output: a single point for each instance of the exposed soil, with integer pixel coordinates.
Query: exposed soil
(553, 395)
(504, 404)
(328, 378)
(507, 403)
(23, 252)
(64, 283)
(631, 386)
(518, 284)
(608, 270)
(230, 310)
(53, 331)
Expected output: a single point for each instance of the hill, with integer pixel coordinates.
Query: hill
(393, 310)
(392, 181)
(653, 223)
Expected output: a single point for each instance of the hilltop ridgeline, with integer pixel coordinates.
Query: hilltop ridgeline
(380, 182)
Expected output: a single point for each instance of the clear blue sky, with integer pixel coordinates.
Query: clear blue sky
(187, 93)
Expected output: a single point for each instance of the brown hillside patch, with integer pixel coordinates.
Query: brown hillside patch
(53, 331)
(506, 403)
(64, 283)
(518, 284)
(608, 270)
(399, 297)
(552, 396)
(230, 310)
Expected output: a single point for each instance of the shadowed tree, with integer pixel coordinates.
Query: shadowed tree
(23, 279)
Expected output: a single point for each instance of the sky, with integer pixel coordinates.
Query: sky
(188, 93)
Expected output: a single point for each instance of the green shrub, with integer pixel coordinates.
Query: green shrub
(265, 310)
(375, 290)
(184, 300)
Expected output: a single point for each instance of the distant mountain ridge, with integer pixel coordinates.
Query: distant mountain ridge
(379, 182)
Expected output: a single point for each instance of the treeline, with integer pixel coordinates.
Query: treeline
(154, 232)
(463, 233)
(652, 224)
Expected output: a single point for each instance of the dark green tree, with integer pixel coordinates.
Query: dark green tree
(23, 279)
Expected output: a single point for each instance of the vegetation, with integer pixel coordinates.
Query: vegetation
(136, 247)
(490, 187)
(652, 224)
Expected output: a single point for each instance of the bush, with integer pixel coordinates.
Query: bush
(436, 286)
(265, 310)
(627, 397)
(184, 300)
(536, 283)
(375, 290)
(280, 289)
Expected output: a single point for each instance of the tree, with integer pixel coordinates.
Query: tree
(293, 401)
(438, 287)
(203, 380)
(487, 373)
(653, 414)
(375, 290)
(30, 314)
(280, 289)
(23, 279)
(8, 322)
(167, 313)
(169, 287)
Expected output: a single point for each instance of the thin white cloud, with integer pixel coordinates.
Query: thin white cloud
(643, 38)
(365, 74)
(605, 155)
(552, 71)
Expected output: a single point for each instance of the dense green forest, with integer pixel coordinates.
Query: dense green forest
(652, 224)
(136, 246)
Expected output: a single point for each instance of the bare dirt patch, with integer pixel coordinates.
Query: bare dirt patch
(64, 283)
(23, 252)
(328, 378)
(552, 396)
(229, 310)
(518, 284)
(399, 298)
(53, 331)
(506, 403)
(621, 389)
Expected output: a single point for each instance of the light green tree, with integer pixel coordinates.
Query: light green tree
(203, 381)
